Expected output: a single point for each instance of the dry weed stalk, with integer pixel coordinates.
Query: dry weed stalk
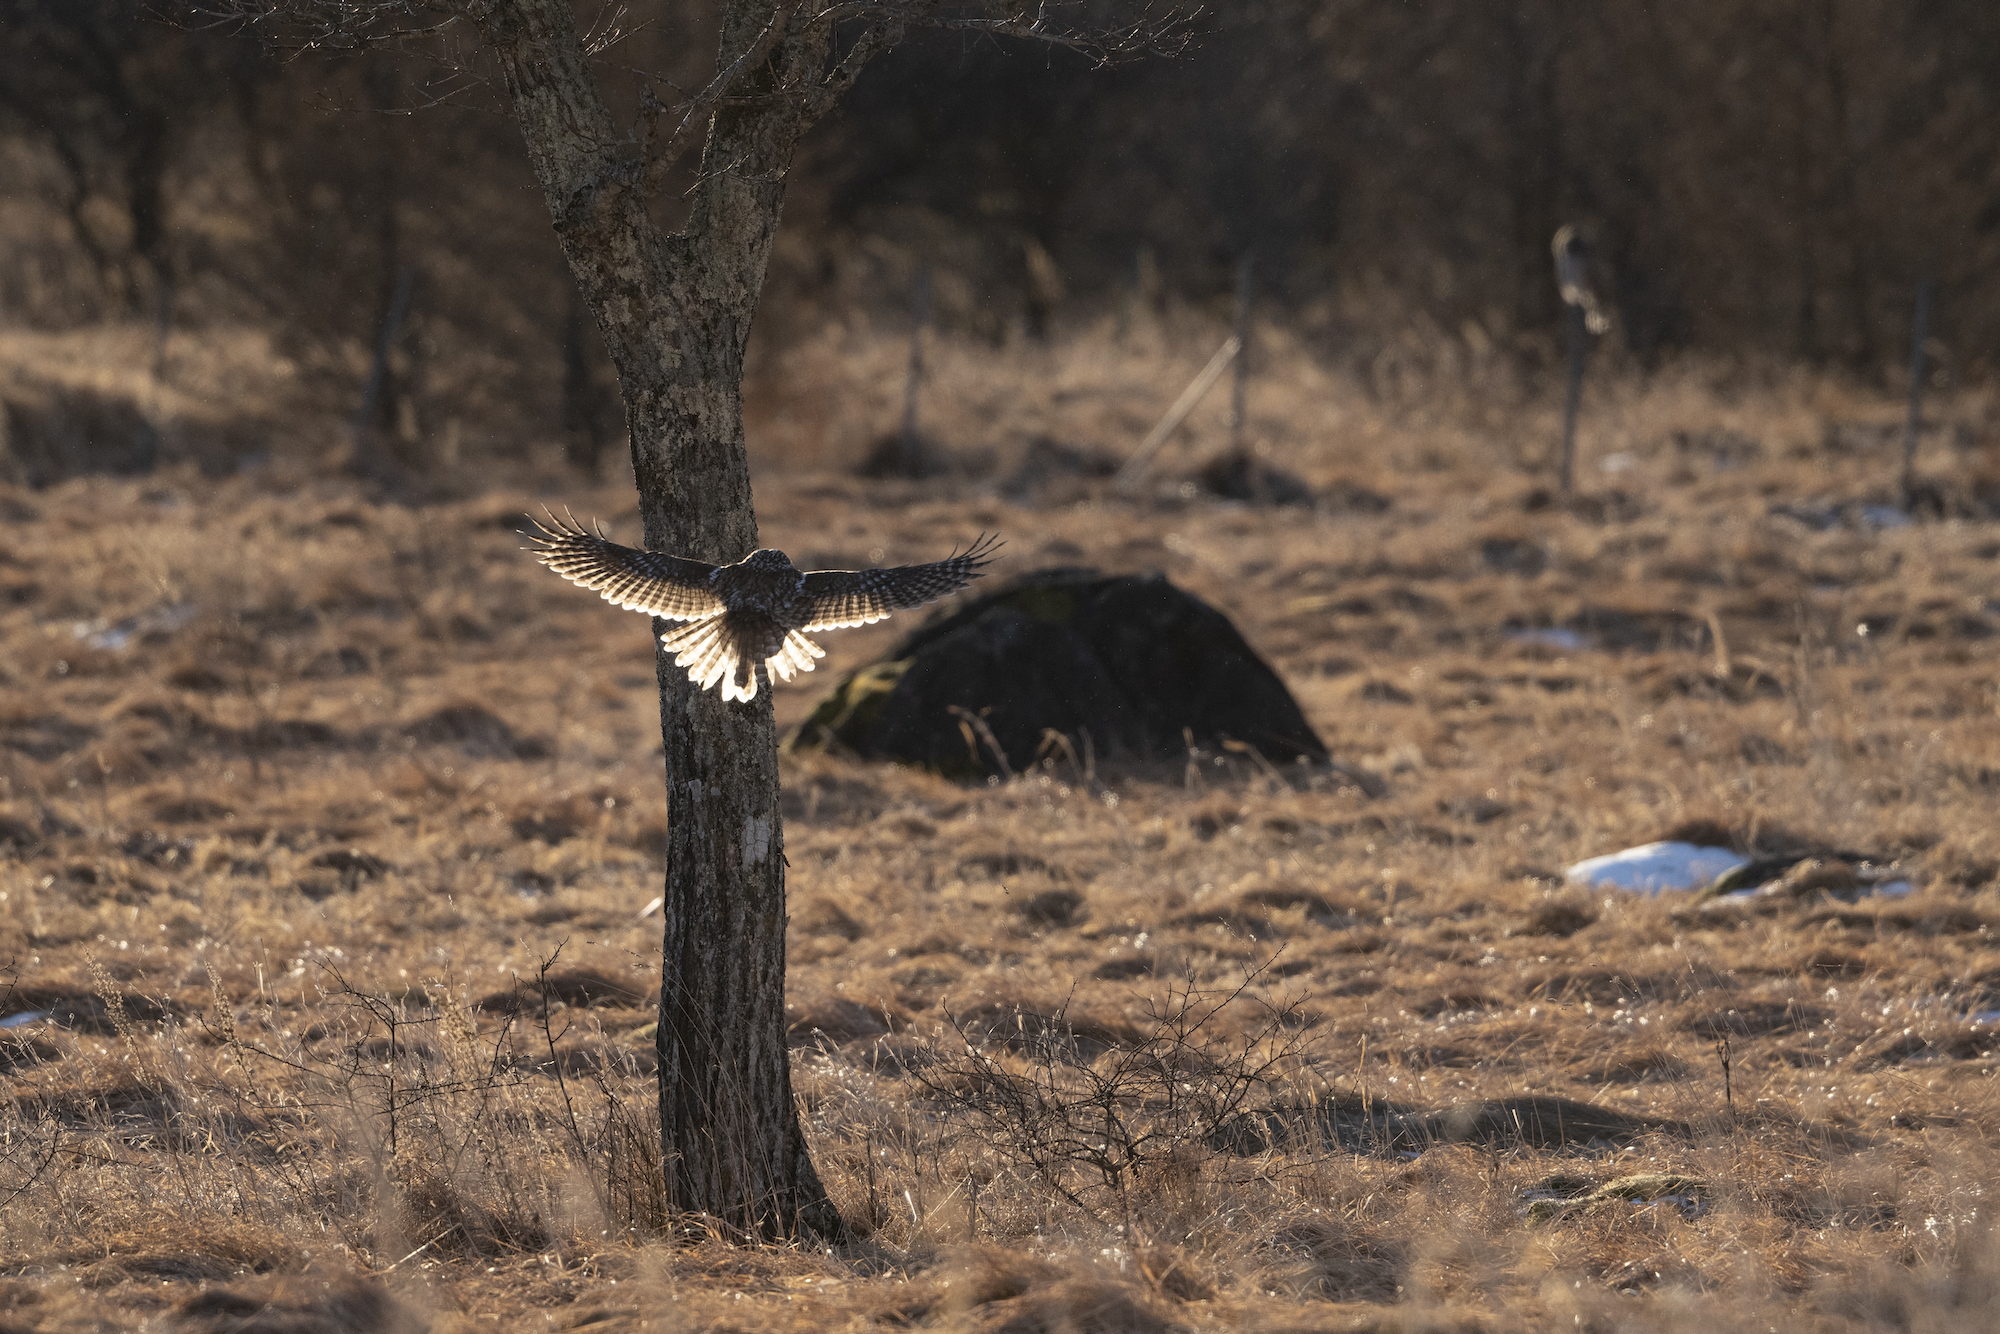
(1092, 1116)
(444, 1120)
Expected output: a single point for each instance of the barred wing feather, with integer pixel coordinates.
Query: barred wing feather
(841, 598)
(649, 581)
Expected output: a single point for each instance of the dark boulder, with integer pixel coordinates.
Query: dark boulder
(50, 433)
(1130, 662)
(1239, 475)
(913, 458)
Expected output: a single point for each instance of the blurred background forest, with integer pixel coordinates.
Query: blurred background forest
(1768, 181)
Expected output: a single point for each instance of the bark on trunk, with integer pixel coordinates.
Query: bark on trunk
(675, 312)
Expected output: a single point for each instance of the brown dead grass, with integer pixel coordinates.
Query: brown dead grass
(285, 869)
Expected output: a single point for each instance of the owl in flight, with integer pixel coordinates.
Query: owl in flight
(744, 618)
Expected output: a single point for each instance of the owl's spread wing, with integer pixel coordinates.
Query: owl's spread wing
(858, 597)
(648, 581)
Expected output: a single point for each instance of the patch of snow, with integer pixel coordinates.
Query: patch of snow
(1820, 515)
(1653, 867)
(118, 635)
(1569, 641)
(25, 1017)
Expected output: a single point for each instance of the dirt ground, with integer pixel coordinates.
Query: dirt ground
(329, 823)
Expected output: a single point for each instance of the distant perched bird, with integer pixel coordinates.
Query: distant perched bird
(755, 614)
(1574, 254)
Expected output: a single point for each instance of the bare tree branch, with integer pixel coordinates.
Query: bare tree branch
(880, 36)
(796, 45)
(296, 27)
(656, 159)
(605, 31)
(1162, 36)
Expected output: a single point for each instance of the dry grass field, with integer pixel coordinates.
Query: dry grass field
(328, 820)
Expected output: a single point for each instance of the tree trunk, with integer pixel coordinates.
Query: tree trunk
(675, 312)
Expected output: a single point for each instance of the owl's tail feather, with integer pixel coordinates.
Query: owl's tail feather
(796, 654)
(713, 656)
(709, 654)
(742, 680)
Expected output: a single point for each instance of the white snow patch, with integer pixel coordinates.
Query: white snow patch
(107, 635)
(1567, 641)
(1656, 866)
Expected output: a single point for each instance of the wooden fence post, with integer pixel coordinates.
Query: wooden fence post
(1127, 479)
(1586, 316)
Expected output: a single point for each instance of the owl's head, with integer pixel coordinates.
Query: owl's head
(768, 558)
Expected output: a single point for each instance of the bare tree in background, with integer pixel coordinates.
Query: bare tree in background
(111, 95)
(675, 310)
